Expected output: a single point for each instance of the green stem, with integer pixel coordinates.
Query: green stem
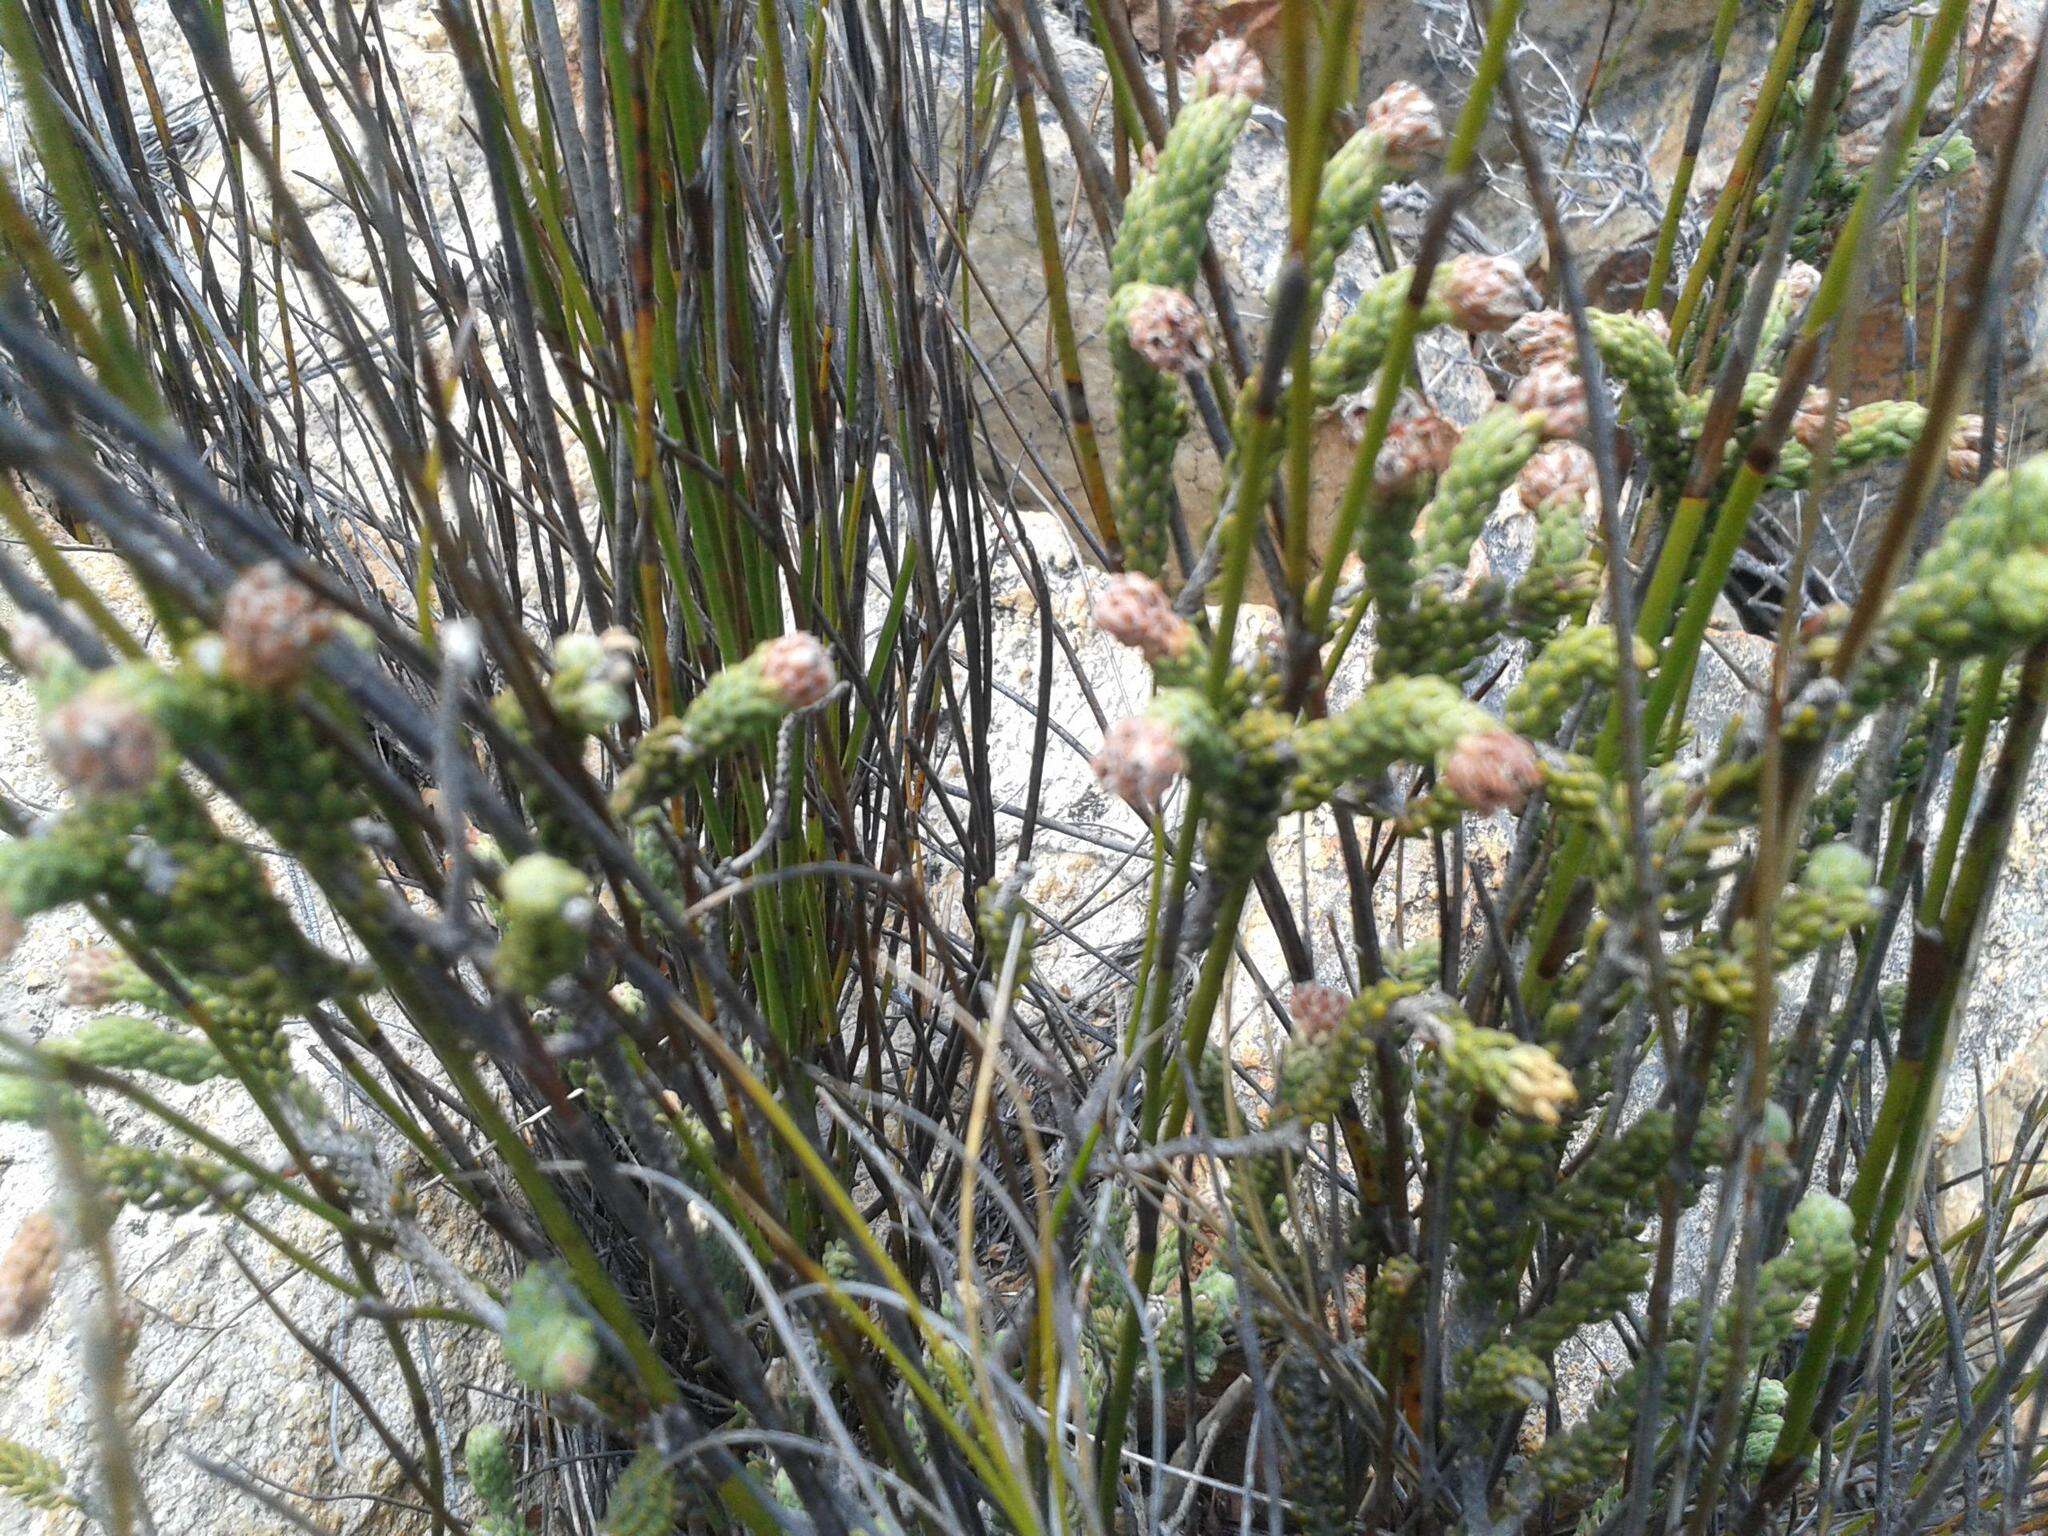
(1681, 182)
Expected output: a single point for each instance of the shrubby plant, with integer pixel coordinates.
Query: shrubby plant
(639, 804)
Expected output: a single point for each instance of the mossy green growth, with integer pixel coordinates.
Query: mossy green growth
(1317, 1071)
(127, 1044)
(1982, 590)
(548, 1344)
(1400, 719)
(644, 1501)
(1560, 674)
(488, 1455)
(31, 1477)
(545, 909)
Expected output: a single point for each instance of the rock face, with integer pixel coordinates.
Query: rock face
(1613, 163)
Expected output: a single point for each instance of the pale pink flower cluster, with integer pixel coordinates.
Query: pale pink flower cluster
(1810, 419)
(1316, 1010)
(1406, 121)
(1557, 473)
(102, 743)
(89, 978)
(1539, 337)
(1559, 393)
(1966, 447)
(1167, 331)
(1229, 68)
(1417, 449)
(1492, 770)
(270, 625)
(1798, 286)
(1487, 294)
(1134, 610)
(798, 667)
(1139, 761)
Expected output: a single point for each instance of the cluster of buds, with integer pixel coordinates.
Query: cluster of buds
(1560, 474)
(1491, 770)
(1519, 1075)
(32, 1478)
(1503, 1377)
(1332, 1035)
(1412, 719)
(1228, 67)
(548, 1344)
(1559, 675)
(1134, 610)
(545, 908)
(1558, 394)
(1407, 124)
(28, 1273)
(1164, 327)
(270, 626)
(122, 1043)
(489, 1459)
(1486, 294)
(102, 742)
(1597, 1290)
(591, 685)
(1981, 590)
(998, 908)
(1139, 761)
(645, 1500)
(1210, 1316)
(789, 673)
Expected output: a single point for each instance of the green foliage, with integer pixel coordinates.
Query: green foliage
(32, 1478)
(630, 703)
(643, 1501)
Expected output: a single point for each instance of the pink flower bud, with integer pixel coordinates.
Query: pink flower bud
(1487, 293)
(1228, 68)
(270, 625)
(1139, 761)
(102, 743)
(1558, 473)
(90, 978)
(1415, 452)
(36, 646)
(1492, 770)
(1559, 394)
(11, 930)
(1317, 1010)
(798, 667)
(1810, 420)
(1406, 120)
(1541, 336)
(1167, 330)
(1966, 447)
(1134, 610)
(28, 1273)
